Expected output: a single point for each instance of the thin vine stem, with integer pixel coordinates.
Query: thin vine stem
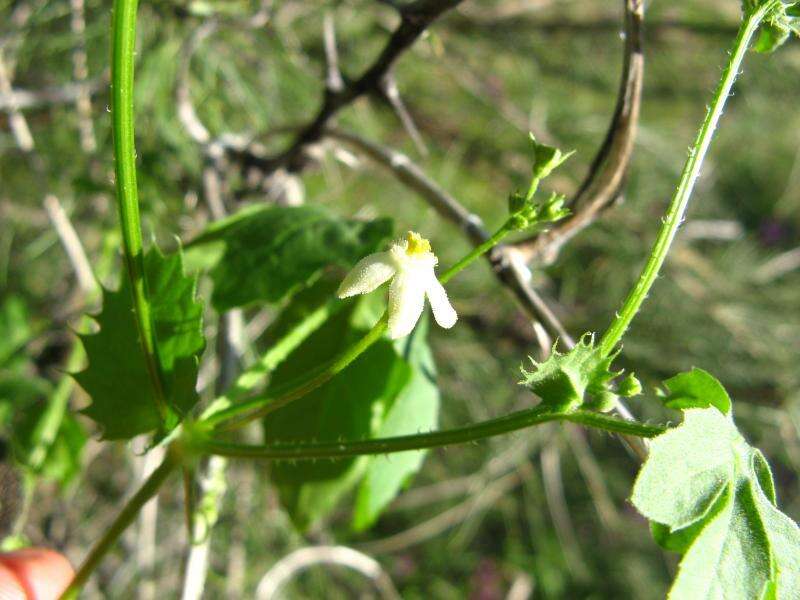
(689, 175)
(241, 413)
(475, 253)
(125, 517)
(201, 443)
(122, 67)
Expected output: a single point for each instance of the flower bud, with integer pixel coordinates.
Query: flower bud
(630, 386)
(546, 158)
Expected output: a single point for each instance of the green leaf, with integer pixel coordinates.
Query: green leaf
(271, 251)
(415, 409)
(546, 158)
(695, 461)
(308, 311)
(14, 327)
(696, 389)
(344, 408)
(770, 37)
(62, 459)
(45, 441)
(563, 380)
(731, 556)
(764, 475)
(123, 402)
(22, 417)
(777, 26)
(178, 318)
(385, 390)
(679, 540)
(710, 495)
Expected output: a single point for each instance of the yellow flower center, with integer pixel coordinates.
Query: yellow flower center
(416, 244)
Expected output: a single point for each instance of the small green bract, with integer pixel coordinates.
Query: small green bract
(563, 380)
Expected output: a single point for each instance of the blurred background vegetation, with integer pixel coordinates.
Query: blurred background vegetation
(544, 510)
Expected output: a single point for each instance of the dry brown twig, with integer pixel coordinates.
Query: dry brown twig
(23, 99)
(602, 184)
(16, 120)
(415, 18)
(304, 558)
(72, 245)
(9, 44)
(80, 72)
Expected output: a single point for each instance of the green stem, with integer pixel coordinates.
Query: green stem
(476, 253)
(471, 433)
(691, 170)
(122, 63)
(189, 504)
(242, 413)
(258, 372)
(124, 518)
(48, 426)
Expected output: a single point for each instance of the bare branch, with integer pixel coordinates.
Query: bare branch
(17, 121)
(213, 487)
(9, 45)
(72, 244)
(550, 459)
(593, 475)
(333, 77)
(778, 266)
(500, 463)
(391, 92)
(415, 18)
(80, 71)
(230, 349)
(145, 552)
(27, 99)
(521, 588)
(186, 113)
(602, 184)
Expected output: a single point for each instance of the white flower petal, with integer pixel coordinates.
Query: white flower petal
(443, 311)
(370, 272)
(406, 301)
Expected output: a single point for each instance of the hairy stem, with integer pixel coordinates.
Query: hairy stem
(470, 433)
(122, 62)
(126, 516)
(691, 170)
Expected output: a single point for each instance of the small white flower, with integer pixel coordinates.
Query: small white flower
(410, 262)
